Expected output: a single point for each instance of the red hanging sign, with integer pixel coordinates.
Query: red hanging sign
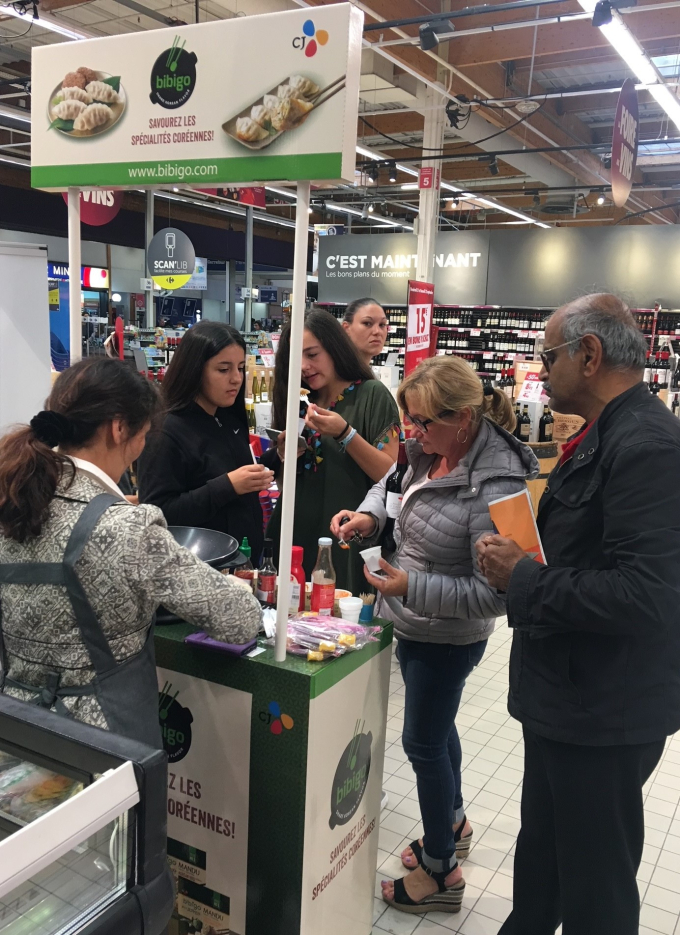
(625, 143)
(428, 177)
(98, 206)
(419, 324)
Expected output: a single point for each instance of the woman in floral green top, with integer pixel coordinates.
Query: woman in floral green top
(352, 433)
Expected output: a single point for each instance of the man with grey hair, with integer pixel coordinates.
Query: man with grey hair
(595, 662)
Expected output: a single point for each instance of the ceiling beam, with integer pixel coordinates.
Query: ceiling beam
(579, 36)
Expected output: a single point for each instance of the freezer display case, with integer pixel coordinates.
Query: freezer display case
(82, 829)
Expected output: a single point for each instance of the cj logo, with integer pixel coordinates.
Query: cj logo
(311, 39)
(275, 719)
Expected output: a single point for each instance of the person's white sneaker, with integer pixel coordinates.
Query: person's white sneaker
(384, 800)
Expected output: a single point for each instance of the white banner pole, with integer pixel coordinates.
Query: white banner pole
(74, 293)
(297, 322)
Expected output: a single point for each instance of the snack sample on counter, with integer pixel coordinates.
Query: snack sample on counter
(320, 637)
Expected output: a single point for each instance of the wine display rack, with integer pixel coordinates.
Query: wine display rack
(487, 337)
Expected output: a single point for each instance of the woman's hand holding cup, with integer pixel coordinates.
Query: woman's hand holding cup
(251, 478)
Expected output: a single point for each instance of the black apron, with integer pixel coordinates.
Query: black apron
(127, 691)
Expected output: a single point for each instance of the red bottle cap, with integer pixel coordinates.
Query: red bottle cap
(298, 554)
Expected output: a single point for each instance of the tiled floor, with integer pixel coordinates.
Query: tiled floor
(492, 775)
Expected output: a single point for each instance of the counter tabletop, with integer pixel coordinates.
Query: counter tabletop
(173, 653)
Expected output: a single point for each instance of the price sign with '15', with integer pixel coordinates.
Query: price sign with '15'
(419, 324)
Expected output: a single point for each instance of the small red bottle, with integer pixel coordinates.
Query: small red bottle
(297, 581)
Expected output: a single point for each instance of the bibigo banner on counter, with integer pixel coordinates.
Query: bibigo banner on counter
(254, 98)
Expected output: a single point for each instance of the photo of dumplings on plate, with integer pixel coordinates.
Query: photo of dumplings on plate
(283, 109)
(86, 103)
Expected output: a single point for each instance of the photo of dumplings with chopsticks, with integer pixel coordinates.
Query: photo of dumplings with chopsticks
(282, 110)
(86, 103)
(248, 130)
(290, 113)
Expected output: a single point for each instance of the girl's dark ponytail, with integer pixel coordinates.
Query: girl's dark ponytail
(29, 473)
(84, 397)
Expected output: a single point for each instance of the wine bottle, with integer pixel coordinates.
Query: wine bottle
(264, 395)
(393, 498)
(525, 425)
(655, 387)
(256, 389)
(545, 426)
(518, 421)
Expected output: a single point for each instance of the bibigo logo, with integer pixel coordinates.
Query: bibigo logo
(275, 719)
(175, 723)
(311, 38)
(351, 777)
(173, 76)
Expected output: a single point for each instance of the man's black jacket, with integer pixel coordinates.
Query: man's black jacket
(596, 649)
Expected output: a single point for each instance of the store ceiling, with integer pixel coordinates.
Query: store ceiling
(571, 58)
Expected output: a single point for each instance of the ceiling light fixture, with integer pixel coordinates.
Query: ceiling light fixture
(428, 37)
(372, 173)
(632, 53)
(409, 187)
(392, 171)
(600, 200)
(371, 209)
(46, 22)
(602, 14)
(493, 167)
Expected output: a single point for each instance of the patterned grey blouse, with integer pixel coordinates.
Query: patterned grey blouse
(130, 565)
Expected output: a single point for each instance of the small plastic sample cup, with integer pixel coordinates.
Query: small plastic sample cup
(372, 558)
(350, 608)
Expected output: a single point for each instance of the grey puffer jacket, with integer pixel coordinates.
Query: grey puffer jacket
(448, 599)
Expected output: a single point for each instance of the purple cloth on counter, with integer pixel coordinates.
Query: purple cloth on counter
(233, 649)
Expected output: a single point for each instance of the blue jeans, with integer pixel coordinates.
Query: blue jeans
(434, 675)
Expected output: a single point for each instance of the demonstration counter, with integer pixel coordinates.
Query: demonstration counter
(274, 786)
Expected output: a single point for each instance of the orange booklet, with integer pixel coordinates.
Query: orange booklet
(513, 517)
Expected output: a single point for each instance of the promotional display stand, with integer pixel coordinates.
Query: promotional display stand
(275, 780)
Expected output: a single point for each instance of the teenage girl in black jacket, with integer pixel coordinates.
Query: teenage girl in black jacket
(198, 468)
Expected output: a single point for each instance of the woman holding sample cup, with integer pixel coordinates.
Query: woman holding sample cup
(461, 456)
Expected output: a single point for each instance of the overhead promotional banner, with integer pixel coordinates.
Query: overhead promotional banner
(625, 142)
(253, 98)
(418, 323)
(171, 258)
(254, 195)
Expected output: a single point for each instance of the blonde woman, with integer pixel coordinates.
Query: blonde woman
(461, 457)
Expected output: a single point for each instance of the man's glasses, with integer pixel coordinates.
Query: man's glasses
(422, 424)
(547, 360)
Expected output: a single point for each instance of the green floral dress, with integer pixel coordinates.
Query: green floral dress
(330, 480)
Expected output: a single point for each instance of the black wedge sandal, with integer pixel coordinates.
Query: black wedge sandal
(462, 846)
(447, 899)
